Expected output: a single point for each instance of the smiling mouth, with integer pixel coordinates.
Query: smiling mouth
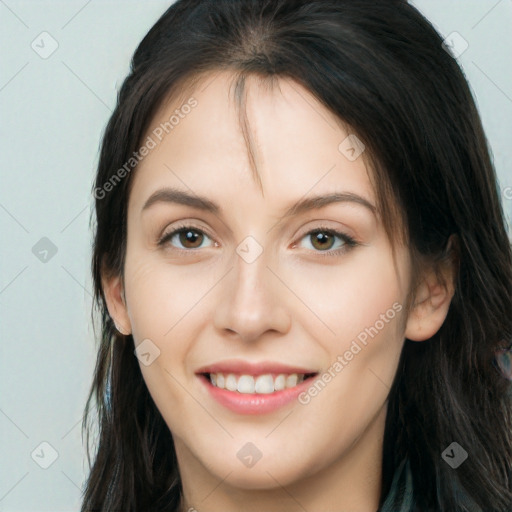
(261, 384)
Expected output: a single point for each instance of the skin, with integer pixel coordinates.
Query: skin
(290, 305)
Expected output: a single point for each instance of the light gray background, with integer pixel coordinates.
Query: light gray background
(53, 112)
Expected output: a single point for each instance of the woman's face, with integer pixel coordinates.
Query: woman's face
(254, 289)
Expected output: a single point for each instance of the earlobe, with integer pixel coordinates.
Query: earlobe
(116, 304)
(432, 301)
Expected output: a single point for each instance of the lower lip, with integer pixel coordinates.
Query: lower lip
(254, 403)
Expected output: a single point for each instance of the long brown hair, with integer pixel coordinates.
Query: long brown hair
(381, 68)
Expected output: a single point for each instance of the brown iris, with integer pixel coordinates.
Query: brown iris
(324, 240)
(192, 237)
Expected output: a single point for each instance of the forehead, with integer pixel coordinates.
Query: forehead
(270, 137)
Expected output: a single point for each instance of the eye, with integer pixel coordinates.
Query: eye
(324, 240)
(188, 236)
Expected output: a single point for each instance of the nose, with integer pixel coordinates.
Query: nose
(252, 302)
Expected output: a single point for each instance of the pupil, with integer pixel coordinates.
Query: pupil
(322, 239)
(189, 237)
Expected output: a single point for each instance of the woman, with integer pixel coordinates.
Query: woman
(302, 270)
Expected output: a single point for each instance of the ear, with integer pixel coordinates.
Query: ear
(433, 297)
(116, 303)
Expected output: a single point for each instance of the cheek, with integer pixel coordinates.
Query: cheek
(160, 295)
(362, 303)
(352, 390)
(165, 307)
(146, 299)
(158, 302)
(347, 297)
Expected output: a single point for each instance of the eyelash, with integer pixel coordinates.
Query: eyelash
(349, 242)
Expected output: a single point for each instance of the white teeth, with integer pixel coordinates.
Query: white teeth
(263, 384)
(291, 380)
(245, 384)
(231, 383)
(280, 382)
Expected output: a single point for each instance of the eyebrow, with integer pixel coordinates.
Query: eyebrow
(174, 195)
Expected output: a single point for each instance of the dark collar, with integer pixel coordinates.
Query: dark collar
(401, 493)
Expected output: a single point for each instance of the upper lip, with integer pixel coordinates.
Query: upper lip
(247, 368)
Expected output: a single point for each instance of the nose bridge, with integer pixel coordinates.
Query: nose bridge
(253, 301)
(251, 276)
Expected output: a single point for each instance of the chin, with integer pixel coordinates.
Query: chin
(258, 479)
(265, 474)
